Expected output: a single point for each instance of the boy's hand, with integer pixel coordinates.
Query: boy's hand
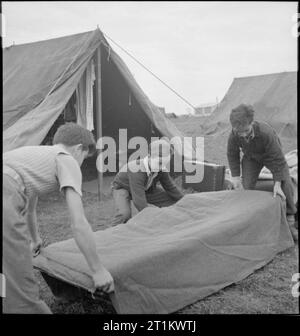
(237, 183)
(103, 280)
(278, 191)
(36, 247)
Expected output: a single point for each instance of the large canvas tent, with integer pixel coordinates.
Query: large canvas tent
(40, 78)
(274, 97)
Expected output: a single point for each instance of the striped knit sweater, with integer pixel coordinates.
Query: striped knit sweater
(37, 167)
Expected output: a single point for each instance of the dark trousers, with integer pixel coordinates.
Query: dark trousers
(250, 172)
(22, 291)
(122, 198)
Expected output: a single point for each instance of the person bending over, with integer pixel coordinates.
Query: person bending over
(141, 186)
(261, 147)
(29, 172)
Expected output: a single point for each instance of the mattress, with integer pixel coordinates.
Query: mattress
(164, 259)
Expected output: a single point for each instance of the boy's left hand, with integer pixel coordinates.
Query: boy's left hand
(278, 191)
(36, 247)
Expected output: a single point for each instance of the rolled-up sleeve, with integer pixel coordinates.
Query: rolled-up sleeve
(68, 173)
(233, 156)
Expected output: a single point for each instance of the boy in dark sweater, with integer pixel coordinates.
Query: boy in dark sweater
(137, 181)
(261, 147)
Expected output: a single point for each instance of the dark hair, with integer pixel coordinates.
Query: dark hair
(71, 134)
(242, 115)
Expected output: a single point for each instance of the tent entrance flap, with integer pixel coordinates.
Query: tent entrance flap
(32, 128)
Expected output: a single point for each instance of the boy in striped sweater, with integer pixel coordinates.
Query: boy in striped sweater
(29, 172)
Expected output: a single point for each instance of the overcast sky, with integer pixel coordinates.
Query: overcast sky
(197, 48)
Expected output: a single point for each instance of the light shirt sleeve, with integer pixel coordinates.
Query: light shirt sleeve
(68, 172)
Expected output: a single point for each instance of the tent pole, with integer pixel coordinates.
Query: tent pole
(99, 113)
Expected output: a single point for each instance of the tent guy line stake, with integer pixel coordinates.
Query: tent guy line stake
(177, 94)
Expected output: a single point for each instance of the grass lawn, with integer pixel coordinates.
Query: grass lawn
(267, 290)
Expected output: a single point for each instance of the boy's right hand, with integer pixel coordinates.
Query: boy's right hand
(237, 183)
(103, 280)
(36, 247)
